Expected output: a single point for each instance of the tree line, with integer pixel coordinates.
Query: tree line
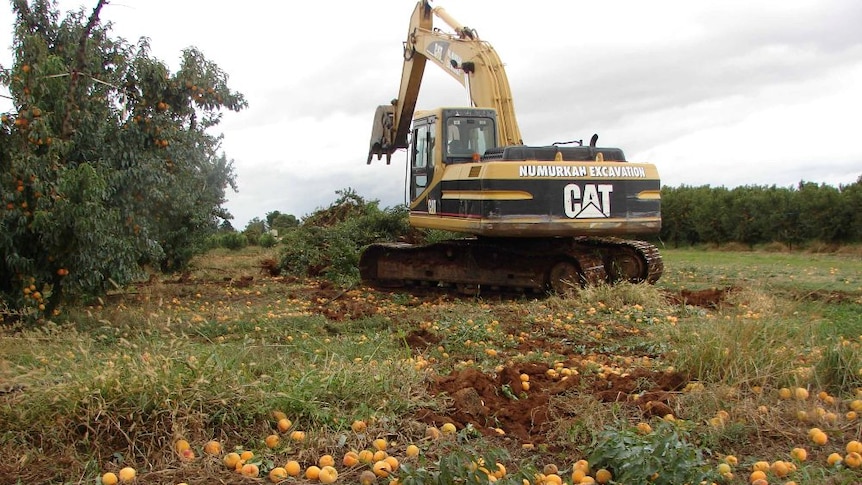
(752, 215)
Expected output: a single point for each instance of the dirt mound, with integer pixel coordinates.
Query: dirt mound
(488, 402)
(708, 298)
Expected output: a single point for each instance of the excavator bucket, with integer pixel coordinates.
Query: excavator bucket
(381, 133)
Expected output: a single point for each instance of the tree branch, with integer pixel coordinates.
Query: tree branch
(80, 65)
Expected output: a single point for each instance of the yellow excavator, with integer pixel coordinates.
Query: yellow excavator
(543, 218)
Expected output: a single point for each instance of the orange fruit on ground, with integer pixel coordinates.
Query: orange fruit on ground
(351, 459)
(578, 475)
(292, 468)
(358, 426)
(272, 441)
(381, 468)
(780, 468)
(853, 459)
(326, 460)
(800, 454)
(212, 447)
(297, 436)
(588, 480)
(582, 465)
(756, 475)
(284, 424)
(187, 455)
(380, 444)
(277, 474)
(367, 477)
(760, 465)
(644, 428)
(278, 415)
(312, 472)
(854, 446)
(552, 479)
(820, 438)
(109, 479)
(834, 459)
(379, 455)
(800, 393)
(250, 470)
(127, 474)
(181, 445)
(731, 460)
(246, 455)
(432, 432)
(412, 451)
(231, 459)
(327, 475)
(393, 462)
(785, 393)
(603, 475)
(760, 481)
(366, 456)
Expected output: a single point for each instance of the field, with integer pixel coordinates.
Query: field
(734, 361)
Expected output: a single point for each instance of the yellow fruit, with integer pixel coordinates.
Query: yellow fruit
(292, 468)
(644, 428)
(834, 459)
(109, 479)
(412, 451)
(820, 438)
(212, 447)
(760, 465)
(760, 481)
(278, 415)
(731, 460)
(448, 428)
(187, 455)
(277, 474)
(380, 444)
(603, 475)
(500, 472)
(358, 426)
(780, 468)
(250, 470)
(367, 477)
(785, 393)
(381, 469)
(231, 459)
(127, 474)
(312, 472)
(813, 431)
(854, 446)
(326, 460)
(327, 475)
(351, 459)
(284, 424)
(582, 465)
(853, 459)
(181, 445)
(366, 456)
(578, 476)
(432, 432)
(272, 441)
(552, 479)
(588, 480)
(393, 462)
(800, 393)
(723, 468)
(799, 454)
(297, 436)
(756, 475)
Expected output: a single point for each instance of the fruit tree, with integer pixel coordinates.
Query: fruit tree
(107, 160)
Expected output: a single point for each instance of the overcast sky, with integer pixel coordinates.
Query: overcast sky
(729, 92)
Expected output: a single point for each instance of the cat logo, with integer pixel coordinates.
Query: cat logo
(591, 202)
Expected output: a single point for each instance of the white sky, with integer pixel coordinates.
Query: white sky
(718, 92)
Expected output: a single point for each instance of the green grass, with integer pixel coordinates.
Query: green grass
(117, 383)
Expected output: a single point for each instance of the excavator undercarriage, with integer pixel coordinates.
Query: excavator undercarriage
(558, 265)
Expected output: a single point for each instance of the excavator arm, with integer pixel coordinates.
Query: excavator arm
(467, 59)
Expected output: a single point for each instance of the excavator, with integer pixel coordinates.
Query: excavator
(535, 218)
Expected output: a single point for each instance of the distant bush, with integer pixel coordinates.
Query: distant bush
(329, 242)
(267, 240)
(233, 240)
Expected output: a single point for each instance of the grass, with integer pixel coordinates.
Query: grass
(213, 354)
